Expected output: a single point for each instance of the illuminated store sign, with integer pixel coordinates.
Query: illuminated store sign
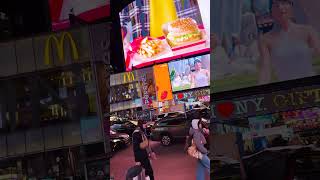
(59, 44)
(202, 95)
(267, 103)
(128, 77)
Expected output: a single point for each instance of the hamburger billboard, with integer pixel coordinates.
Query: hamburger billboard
(160, 31)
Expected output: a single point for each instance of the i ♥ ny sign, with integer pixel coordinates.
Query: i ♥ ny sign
(267, 103)
(232, 109)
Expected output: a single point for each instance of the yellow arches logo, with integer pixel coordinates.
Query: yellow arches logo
(60, 47)
(128, 77)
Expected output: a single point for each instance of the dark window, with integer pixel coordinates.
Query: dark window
(176, 122)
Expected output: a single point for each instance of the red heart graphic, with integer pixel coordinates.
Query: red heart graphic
(180, 95)
(164, 95)
(225, 109)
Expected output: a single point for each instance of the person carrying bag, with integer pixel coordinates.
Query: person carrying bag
(197, 149)
(142, 151)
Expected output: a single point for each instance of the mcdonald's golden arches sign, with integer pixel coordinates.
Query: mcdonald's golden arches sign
(59, 44)
(128, 77)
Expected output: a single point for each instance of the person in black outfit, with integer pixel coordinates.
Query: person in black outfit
(142, 150)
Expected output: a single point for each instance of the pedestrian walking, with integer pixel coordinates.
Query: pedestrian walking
(197, 148)
(142, 150)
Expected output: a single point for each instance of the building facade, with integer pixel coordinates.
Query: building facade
(54, 104)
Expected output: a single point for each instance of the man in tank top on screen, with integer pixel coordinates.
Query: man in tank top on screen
(200, 77)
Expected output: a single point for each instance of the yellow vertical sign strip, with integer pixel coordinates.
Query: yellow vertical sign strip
(163, 84)
(161, 12)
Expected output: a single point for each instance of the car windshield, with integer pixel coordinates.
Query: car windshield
(175, 114)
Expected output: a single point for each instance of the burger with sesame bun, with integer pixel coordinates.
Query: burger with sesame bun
(182, 31)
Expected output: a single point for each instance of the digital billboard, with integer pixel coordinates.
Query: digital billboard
(148, 92)
(162, 78)
(86, 10)
(190, 73)
(159, 31)
(265, 41)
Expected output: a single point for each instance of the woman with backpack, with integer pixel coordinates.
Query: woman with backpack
(197, 148)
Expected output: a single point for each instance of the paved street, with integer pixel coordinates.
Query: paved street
(172, 163)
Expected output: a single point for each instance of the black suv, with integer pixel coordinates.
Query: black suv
(176, 126)
(168, 129)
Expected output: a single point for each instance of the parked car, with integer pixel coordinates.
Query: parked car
(123, 127)
(204, 112)
(174, 127)
(169, 115)
(167, 130)
(118, 140)
(148, 126)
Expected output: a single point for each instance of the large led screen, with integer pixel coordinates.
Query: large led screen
(190, 73)
(159, 31)
(86, 10)
(264, 41)
(147, 84)
(162, 79)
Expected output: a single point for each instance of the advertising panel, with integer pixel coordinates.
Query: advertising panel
(301, 120)
(258, 44)
(190, 73)
(60, 49)
(293, 99)
(160, 31)
(201, 95)
(59, 44)
(148, 90)
(124, 78)
(163, 84)
(86, 10)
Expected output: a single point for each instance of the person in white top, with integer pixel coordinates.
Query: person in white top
(288, 48)
(201, 77)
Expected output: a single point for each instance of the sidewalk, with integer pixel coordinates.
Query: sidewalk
(172, 163)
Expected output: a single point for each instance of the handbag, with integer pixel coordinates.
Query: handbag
(193, 151)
